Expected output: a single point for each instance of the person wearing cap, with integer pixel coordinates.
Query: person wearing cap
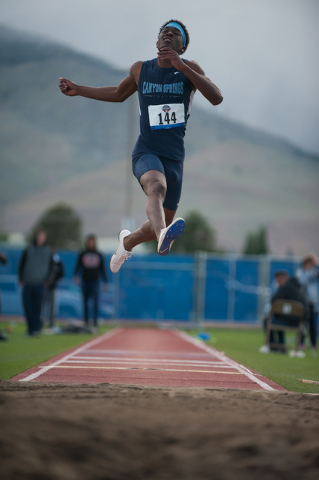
(166, 86)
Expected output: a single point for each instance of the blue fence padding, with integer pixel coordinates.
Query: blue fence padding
(149, 289)
(152, 287)
(216, 293)
(13, 259)
(68, 259)
(246, 298)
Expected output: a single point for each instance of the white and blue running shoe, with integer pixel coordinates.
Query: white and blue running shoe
(121, 254)
(169, 234)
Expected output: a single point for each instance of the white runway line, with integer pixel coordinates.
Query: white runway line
(148, 362)
(143, 352)
(226, 360)
(145, 368)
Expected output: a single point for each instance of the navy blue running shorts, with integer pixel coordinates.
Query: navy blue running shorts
(172, 170)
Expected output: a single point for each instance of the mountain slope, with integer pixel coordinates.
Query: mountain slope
(42, 128)
(238, 187)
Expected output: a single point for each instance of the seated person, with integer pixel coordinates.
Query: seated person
(291, 290)
(276, 336)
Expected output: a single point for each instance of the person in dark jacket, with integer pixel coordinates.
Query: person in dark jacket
(276, 336)
(34, 271)
(290, 290)
(57, 272)
(3, 258)
(90, 267)
(3, 261)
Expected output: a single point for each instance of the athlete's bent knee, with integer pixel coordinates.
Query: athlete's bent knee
(156, 188)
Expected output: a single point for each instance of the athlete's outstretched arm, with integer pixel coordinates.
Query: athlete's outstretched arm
(106, 94)
(195, 73)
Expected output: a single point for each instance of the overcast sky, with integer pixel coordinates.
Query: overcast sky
(262, 54)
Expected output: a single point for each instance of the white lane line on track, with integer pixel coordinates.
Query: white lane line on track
(149, 362)
(226, 360)
(149, 359)
(96, 341)
(143, 352)
(144, 368)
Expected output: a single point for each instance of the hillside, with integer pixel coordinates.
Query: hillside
(54, 148)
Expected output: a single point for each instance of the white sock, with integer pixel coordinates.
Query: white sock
(162, 230)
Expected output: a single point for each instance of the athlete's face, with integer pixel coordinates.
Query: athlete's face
(171, 37)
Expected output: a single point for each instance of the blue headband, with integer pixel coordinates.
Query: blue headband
(180, 28)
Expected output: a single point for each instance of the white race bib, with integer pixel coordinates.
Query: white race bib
(166, 116)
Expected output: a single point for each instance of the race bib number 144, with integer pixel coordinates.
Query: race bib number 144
(166, 116)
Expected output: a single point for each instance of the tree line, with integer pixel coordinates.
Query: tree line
(64, 226)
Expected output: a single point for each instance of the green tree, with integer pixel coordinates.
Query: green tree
(62, 225)
(198, 235)
(4, 236)
(256, 243)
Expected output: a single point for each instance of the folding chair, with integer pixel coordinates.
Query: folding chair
(292, 317)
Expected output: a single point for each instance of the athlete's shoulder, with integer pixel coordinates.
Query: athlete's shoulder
(146, 64)
(135, 70)
(136, 67)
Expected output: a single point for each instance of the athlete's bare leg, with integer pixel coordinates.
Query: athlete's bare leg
(154, 186)
(146, 232)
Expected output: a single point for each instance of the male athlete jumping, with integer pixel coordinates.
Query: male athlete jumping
(166, 86)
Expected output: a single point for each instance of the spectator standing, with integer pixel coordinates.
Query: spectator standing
(34, 272)
(3, 261)
(90, 267)
(3, 258)
(308, 276)
(57, 272)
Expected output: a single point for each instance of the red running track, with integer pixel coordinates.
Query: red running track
(148, 357)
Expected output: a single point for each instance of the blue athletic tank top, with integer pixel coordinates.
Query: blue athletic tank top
(165, 97)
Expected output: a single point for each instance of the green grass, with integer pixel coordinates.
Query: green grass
(242, 345)
(20, 352)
